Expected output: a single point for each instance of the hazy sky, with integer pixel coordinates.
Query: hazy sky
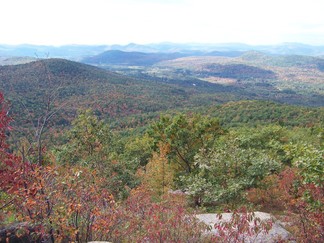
(60, 22)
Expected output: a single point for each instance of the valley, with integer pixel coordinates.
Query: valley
(128, 143)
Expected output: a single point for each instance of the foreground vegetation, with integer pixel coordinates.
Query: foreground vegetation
(100, 183)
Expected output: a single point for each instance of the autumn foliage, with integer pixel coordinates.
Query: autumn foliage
(302, 203)
(60, 203)
(71, 204)
(55, 202)
(69, 198)
(159, 174)
(145, 219)
(243, 226)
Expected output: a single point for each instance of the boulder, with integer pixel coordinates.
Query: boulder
(275, 234)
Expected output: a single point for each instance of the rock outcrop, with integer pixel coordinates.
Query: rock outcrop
(275, 234)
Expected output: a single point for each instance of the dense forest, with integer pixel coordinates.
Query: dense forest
(89, 154)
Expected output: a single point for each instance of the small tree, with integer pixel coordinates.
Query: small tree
(186, 135)
(90, 143)
(159, 172)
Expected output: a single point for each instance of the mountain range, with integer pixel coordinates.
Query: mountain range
(78, 52)
(72, 85)
(143, 80)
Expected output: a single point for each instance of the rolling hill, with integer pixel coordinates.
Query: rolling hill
(116, 57)
(256, 72)
(50, 92)
(62, 87)
(131, 58)
(68, 86)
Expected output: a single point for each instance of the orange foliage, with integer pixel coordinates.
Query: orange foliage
(159, 172)
(147, 220)
(61, 202)
(286, 192)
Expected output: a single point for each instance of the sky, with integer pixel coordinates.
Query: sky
(257, 22)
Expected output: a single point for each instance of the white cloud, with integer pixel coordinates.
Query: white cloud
(145, 21)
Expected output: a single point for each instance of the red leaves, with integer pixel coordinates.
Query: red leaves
(243, 225)
(145, 219)
(302, 203)
(61, 201)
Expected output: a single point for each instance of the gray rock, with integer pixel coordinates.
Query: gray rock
(277, 232)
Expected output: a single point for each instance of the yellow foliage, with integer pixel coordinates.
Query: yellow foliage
(159, 172)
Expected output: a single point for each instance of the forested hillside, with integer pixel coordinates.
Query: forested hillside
(116, 57)
(69, 86)
(89, 154)
(88, 86)
(293, 79)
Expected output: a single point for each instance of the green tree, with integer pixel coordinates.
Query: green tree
(231, 172)
(137, 149)
(186, 135)
(226, 170)
(88, 142)
(91, 143)
(310, 163)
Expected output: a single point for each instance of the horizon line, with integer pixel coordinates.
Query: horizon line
(164, 42)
